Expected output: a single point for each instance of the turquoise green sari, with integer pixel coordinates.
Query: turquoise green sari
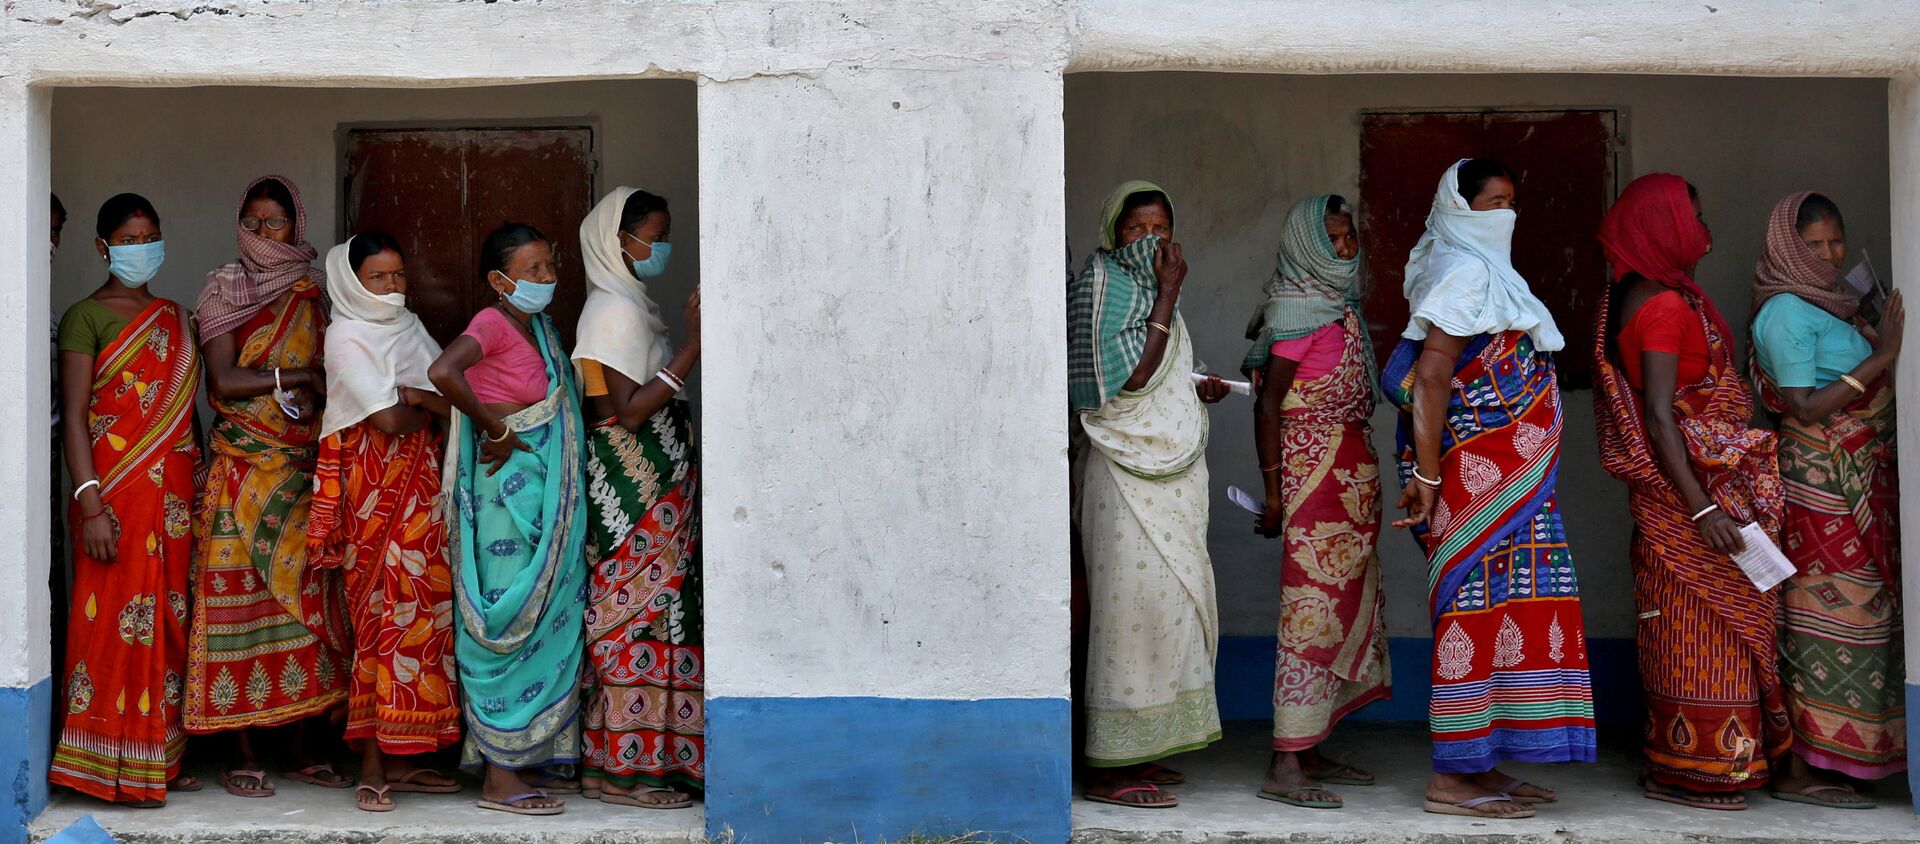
(520, 578)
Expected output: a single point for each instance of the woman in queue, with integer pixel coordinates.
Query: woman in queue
(1826, 376)
(128, 374)
(1313, 370)
(645, 716)
(1480, 428)
(375, 518)
(1143, 504)
(1673, 417)
(516, 530)
(269, 640)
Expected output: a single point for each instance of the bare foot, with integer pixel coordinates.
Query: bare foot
(1285, 778)
(1459, 788)
(1494, 780)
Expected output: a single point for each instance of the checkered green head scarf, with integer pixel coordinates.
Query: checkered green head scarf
(1311, 284)
(1107, 308)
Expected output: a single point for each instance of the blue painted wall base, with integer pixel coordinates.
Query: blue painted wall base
(857, 768)
(1913, 740)
(24, 749)
(1244, 680)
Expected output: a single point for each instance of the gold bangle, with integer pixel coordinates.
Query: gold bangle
(1163, 329)
(1854, 383)
(1274, 468)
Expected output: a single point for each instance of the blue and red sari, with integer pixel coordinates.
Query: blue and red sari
(1510, 653)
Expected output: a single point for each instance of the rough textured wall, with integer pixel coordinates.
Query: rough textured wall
(885, 464)
(1236, 150)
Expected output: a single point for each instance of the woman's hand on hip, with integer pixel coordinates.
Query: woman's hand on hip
(494, 453)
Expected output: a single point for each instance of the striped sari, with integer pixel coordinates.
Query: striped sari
(1706, 638)
(1510, 652)
(269, 642)
(517, 540)
(1839, 623)
(646, 717)
(126, 639)
(377, 518)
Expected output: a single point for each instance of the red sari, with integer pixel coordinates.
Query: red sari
(126, 639)
(374, 516)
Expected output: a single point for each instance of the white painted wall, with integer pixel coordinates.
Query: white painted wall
(24, 619)
(193, 150)
(1236, 150)
(886, 372)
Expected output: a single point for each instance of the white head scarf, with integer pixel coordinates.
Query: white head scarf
(374, 346)
(620, 325)
(1460, 276)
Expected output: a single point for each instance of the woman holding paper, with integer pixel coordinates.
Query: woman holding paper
(375, 518)
(1824, 373)
(1313, 364)
(269, 642)
(1480, 453)
(1142, 510)
(1673, 414)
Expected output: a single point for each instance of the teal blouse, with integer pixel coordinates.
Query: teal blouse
(1800, 345)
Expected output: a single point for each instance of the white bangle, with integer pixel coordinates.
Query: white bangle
(1430, 483)
(671, 379)
(505, 431)
(1710, 508)
(83, 488)
(277, 389)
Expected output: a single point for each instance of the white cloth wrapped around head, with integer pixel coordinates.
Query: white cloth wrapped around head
(1460, 276)
(374, 346)
(620, 325)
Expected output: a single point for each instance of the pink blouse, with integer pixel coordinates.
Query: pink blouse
(510, 370)
(1318, 353)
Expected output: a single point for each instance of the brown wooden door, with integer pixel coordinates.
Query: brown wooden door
(1564, 161)
(441, 191)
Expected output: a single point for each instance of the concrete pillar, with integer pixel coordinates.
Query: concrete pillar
(25, 687)
(885, 512)
(1903, 126)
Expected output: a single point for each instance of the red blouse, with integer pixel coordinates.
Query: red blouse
(1665, 323)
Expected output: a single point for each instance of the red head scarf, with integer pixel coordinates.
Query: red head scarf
(1651, 231)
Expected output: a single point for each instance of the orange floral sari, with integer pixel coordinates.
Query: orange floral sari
(375, 516)
(126, 641)
(268, 644)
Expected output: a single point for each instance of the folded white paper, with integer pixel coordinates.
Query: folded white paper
(1761, 560)
(1247, 502)
(1242, 387)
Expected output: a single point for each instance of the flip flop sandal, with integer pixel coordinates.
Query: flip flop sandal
(1342, 775)
(508, 807)
(1290, 798)
(309, 775)
(186, 789)
(406, 784)
(379, 793)
(1689, 799)
(228, 778)
(629, 799)
(1529, 799)
(1471, 808)
(1161, 775)
(1113, 797)
(1805, 795)
(146, 804)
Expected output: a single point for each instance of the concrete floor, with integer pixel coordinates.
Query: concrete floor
(1598, 802)
(307, 814)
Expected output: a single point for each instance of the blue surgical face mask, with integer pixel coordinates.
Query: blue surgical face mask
(655, 263)
(531, 297)
(135, 264)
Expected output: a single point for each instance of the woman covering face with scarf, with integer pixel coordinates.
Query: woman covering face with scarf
(1672, 412)
(1825, 374)
(1143, 505)
(269, 639)
(1312, 363)
(1479, 455)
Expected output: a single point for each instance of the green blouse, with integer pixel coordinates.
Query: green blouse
(89, 326)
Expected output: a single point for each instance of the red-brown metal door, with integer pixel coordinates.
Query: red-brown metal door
(441, 191)
(1564, 161)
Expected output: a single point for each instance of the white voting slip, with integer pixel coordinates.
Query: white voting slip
(1761, 560)
(1247, 502)
(1242, 387)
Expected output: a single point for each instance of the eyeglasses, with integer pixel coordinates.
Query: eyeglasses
(253, 224)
